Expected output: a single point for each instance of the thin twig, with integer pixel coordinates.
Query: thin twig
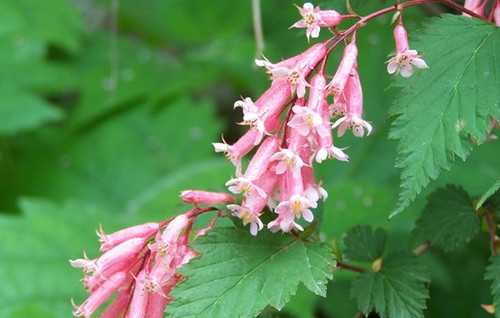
(257, 28)
(491, 228)
(351, 267)
(421, 249)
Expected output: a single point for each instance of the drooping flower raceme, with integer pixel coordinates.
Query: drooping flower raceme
(140, 263)
(405, 59)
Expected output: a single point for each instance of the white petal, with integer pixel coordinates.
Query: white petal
(406, 71)
(307, 215)
(418, 62)
(392, 67)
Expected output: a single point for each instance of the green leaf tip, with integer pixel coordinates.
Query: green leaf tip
(441, 108)
(489, 193)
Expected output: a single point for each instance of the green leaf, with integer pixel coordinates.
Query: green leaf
(54, 21)
(493, 273)
(490, 192)
(449, 218)
(363, 244)
(241, 274)
(440, 108)
(36, 246)
(397, 290)
(21, 111)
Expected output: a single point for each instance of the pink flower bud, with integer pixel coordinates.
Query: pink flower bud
(205, 197)
(336, 86)
(314, 18)
(139, 231)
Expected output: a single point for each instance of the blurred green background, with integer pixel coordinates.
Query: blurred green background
(108, 109)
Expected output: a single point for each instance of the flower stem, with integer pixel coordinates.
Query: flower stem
(355, 268)
(491, 228)
(395, 7)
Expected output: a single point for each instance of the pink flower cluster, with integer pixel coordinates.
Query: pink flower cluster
(291, 124)
(139, 264)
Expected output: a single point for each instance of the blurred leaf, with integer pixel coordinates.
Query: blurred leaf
(186, 22)
(397, 290)
(116, 160)
(493, 274)
(36, 246)
(42, 19)
(441, 107)
(449, 219)
(363, 244)
(490, 192)
(243, 273)
(21, 111)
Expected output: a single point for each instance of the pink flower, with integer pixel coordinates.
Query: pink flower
(307, 121)
(314, 18)
(405, 58)
(109, 241)
(251, 207)
(205, 197)
(248, 215)
(141, 278)
(252, 117)
(339, 80)
(297, 206)
(243, 185)
(288, 160)
(294, 70)
(240, 148)
(353, 119)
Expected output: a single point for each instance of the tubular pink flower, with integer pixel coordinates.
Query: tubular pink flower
(339, 80)
(100, 295)
(312, 190)
(118, 306)
(252, 117)
(258, 165)
(144, 231)
(256, 168)
(205, 197)
(353, 120)
(296, 69)
(240, 148)
(314, 18)
(250, 209)
(405, 58)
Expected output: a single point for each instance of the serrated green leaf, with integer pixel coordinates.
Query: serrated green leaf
(363, 244)
(449, 219)
(441, 107)
(490, 192)
(21, 111)
(493, 273)
(238, 275)
(397, 290)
